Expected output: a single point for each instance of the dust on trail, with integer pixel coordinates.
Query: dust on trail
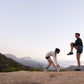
(26, 77)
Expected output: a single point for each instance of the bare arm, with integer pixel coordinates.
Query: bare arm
(55, 60)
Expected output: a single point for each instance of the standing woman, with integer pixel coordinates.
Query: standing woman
(78, 45)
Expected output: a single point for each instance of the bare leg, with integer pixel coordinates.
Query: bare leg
(71, 47)
(76, 47)
(71, 52)
(48, 64)
(53, 64)
(78, 59)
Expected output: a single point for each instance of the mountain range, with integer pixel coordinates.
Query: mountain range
(27, 61)
(7, 64)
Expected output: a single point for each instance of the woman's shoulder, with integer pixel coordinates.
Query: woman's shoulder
(50, 52)
(79, 39)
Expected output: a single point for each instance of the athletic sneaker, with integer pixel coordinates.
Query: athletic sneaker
(77, 69)
(70, 53)
(58, 69)
(45, 70)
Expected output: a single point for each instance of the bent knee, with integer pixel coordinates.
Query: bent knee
(71, 44)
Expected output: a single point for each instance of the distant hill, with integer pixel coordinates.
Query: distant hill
(37, 63)
(8, 64)
(27, 61)
(72, 67)
(10, 55)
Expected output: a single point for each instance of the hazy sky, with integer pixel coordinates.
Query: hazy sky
(34, 27)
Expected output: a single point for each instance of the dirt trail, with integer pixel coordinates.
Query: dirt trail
(26, 77)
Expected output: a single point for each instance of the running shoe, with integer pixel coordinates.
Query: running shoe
(70, 53)
(77, 69)
(45, 70)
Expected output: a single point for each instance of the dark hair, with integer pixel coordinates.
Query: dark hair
(77, 34)
(57, 50)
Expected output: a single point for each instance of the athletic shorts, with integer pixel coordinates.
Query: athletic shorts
(80, 49)
(47, 57)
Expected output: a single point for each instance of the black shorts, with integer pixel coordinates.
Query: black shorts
(80, 49)
(47, 57)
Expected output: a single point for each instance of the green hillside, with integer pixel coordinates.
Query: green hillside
(8, 65)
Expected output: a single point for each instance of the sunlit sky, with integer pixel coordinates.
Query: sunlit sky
(31, 28)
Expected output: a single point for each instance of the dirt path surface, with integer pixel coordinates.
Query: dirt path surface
(26, 77)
